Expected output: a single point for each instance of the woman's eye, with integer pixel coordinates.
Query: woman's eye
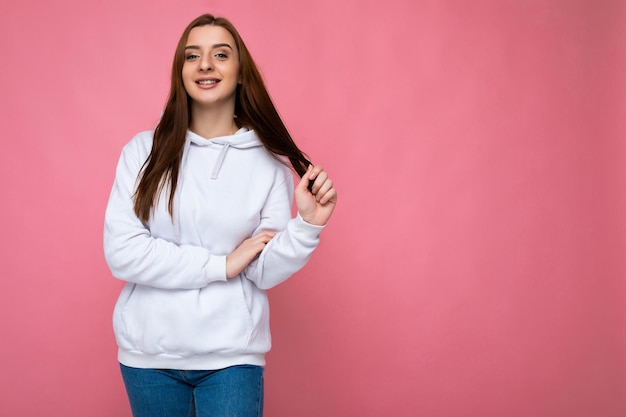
(221, 55)
(191, 56)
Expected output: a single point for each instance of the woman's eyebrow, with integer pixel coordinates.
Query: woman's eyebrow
(217, 45)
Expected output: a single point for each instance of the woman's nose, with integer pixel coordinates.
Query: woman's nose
(206, 63)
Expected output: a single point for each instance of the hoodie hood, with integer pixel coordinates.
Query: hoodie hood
(242, 139)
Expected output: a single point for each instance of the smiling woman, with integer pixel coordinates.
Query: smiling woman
(210, 76)
(199, 225)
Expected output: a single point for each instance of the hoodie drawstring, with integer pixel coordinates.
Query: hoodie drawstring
(220, 161)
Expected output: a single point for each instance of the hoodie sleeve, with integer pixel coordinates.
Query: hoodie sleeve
(292, 246)
(133, 255)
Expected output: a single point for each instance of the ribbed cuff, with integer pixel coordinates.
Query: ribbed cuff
(216, 268)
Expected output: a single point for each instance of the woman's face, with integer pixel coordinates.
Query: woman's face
(211, 69)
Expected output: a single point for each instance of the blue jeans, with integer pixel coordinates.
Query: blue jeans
(234, 391)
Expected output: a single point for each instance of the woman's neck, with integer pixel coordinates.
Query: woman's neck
(212, 123)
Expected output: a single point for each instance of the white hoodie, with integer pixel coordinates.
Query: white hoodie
(178, 310)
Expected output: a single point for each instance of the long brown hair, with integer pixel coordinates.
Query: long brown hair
(253, 107)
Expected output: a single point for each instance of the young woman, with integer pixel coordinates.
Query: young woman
(199, 225)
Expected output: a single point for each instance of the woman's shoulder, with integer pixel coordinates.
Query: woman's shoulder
(143, 137)
(141, 143)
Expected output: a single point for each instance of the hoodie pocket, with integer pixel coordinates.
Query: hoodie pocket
(214, 319)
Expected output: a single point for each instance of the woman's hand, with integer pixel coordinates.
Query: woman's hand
(317, 205)
(246, 252)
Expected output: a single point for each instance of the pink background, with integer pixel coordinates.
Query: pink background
(475, 265)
